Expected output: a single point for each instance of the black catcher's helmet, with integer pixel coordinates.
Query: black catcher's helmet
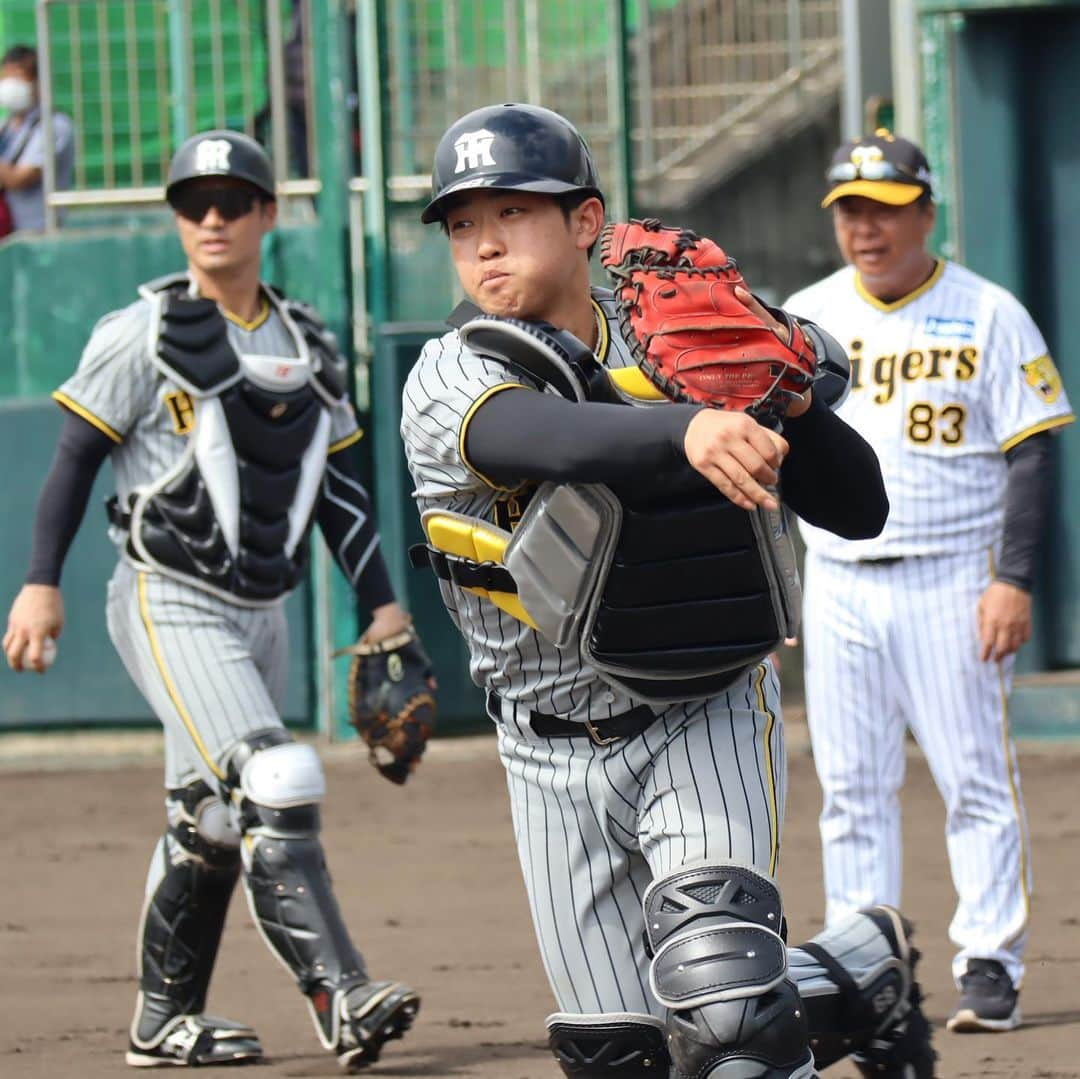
(221, 153)
(510, 147)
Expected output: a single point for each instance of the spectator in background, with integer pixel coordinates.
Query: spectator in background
(22, 141)
(294, 52)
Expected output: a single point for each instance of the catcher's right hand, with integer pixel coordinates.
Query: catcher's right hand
(392, 701)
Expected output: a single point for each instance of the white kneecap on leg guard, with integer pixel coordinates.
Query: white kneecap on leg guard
(283, 776)
(215, 822)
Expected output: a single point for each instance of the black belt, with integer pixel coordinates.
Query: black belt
(116, 515)
(603, 731)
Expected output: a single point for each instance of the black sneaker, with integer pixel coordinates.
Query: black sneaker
(988, 999)
(902, 1050)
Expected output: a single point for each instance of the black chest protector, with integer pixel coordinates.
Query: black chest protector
(694, 595)
(670, 599)
(234, 513)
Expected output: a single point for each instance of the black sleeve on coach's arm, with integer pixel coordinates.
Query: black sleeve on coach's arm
(347, 522)
(524, 434)
(831, 477)
(80, 450)
(1027, 500)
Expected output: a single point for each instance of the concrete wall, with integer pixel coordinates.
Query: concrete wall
(769, 216)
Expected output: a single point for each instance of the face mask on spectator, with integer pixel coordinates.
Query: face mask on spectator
(16, 95)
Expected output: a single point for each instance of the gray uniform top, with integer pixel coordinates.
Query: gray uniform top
(28, 205)
(442, 393)
(118, 388)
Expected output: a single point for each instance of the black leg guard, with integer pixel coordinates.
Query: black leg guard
(195, 867)
(720, 966)
(867, 1004)
(292, 899)
(609, 1046)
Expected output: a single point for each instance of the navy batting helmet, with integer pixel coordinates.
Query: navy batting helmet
(221, 153)
(510, 148)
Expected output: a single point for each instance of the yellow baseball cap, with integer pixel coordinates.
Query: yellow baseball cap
(882, 167)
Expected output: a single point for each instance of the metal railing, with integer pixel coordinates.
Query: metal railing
(446, 59)
(138, 76)
(649, 83)
(707, 68)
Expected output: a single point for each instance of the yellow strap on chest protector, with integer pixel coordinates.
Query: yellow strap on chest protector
(631, 382)
(469, 538)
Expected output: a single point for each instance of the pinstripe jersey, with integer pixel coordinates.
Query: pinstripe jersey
(212, 670)
(444, 389)
(944, 380)
(118, 388)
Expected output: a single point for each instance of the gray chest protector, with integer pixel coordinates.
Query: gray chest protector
(670, 599)
(233, 514)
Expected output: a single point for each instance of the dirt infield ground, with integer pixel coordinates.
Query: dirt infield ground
(430, 884)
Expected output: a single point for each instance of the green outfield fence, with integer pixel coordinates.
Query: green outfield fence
(670, 94)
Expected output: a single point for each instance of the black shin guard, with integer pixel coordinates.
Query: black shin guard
(289, 888)
(181, 930)
(190, 884)
(290, 894)
(609, 1046)
(866, 1004)
(720, 966)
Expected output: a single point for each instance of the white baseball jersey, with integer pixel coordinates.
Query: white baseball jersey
(943, 382)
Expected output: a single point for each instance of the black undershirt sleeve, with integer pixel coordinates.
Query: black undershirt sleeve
(524, 434)
(80, 451)
(347, 522)
(832, 478)
(639, 452)
(1027, 500)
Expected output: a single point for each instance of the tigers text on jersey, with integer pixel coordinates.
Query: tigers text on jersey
(443, 391)
(943, 382)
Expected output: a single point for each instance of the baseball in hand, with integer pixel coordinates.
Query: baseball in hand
(48, 654)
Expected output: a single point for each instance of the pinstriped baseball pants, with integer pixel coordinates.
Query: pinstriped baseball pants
(595, 825)
(892, 647)
(213, 672)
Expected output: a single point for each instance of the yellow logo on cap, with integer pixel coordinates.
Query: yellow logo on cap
(1042, 376)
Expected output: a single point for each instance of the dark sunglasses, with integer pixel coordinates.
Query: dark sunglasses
(231, 202)
(871, 170)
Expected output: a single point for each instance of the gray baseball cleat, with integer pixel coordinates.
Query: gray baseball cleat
(195, 1040)
(356, 1021)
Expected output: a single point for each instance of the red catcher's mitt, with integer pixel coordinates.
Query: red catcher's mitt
(392, 701)
(690, 334)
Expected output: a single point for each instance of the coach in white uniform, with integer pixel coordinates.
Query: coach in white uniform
(918, 627)
(223, 407)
